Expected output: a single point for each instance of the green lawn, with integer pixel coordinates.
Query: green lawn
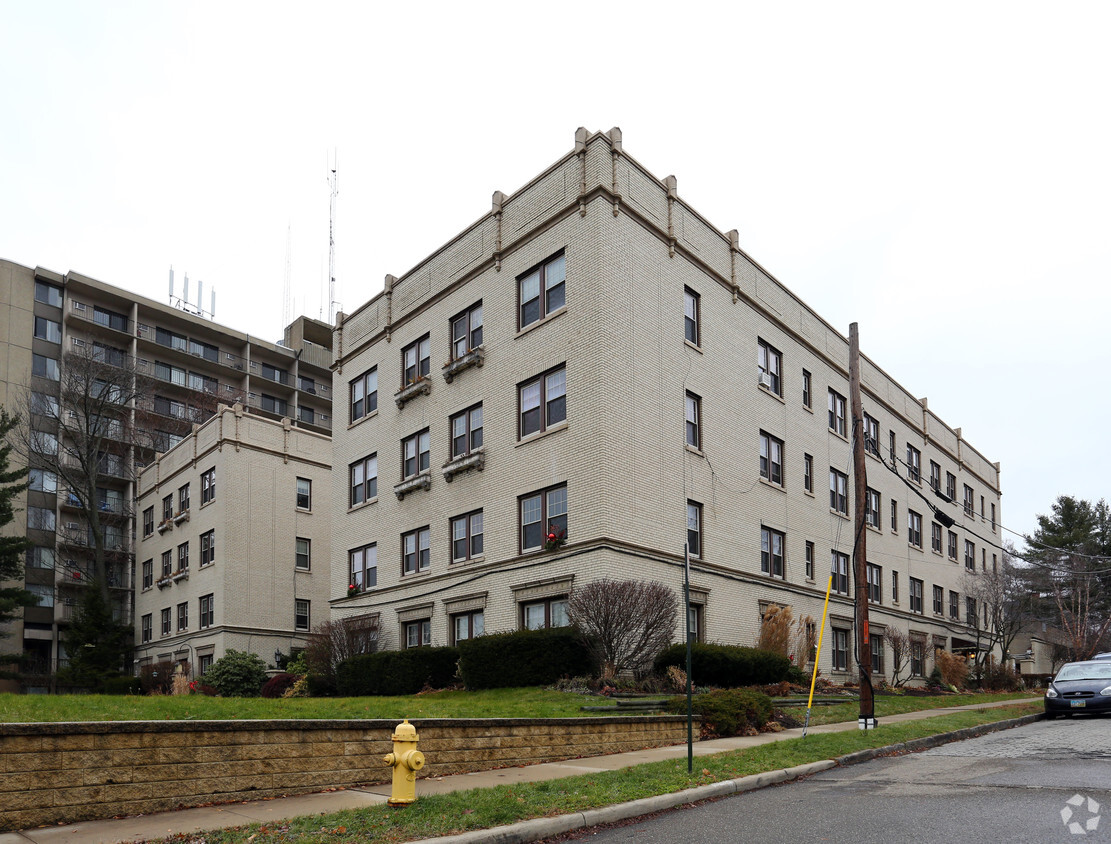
(897, 704)
(485, 808)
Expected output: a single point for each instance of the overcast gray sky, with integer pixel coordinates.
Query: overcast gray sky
(939, 173)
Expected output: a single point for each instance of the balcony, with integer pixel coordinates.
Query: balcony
(94, 318)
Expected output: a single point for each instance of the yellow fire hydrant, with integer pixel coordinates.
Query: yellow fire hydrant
(405, 760)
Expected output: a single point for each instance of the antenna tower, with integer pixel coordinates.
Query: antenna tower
(332, 243)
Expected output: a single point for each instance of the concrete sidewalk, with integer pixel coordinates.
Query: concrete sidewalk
(184, 821)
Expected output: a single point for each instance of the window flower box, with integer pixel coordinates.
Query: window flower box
(164, 526)
(181, 575)
(421, 481)
(419, 386)
(472, 358)
(555, 539)
(164, 582)
(183, 516)
(475, 460)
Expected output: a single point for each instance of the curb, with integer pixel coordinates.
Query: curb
(539, 828)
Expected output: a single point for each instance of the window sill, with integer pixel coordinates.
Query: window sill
(561, 426)
(421, 481)
(412, 575)
(479, 559)
(534, 325)
(206, 565)
(917, 548)
(363, 504)
(472, 358)
(302, 509)
(808, 493)
(694, 450)
(838, 434)
(773, 485)
(207, 503)
(691, 345)
(808, 409)
(936, 553)
(362, 419)
(769, 391)
(474, 460)
(422, 386)
(873, 528)
(839, 514)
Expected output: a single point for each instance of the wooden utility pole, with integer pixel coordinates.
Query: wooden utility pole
(867, 718)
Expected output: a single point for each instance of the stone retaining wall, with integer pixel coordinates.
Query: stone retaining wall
(61, 773)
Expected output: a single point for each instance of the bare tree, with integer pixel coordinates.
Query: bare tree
(900, 644)
(624, 623)
(1003, 609)
(333, 642)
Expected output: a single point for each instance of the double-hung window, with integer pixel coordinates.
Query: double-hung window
(543, 514)
(808, 473)
(691, 326)
(771, 458)
(968, 506)
(467, 625)
(466, 331)
(935, 476)
(939, 600)
(165, 620)
(538, 615)
(694, 529)
(364, 395)
(875, 583)
(935, 537)
(970, 555)
(542, 290)
(466, 537)
(916, 595)
(418, 634)
(872, 508)
(364, 567)
(302, 553)
(416, 361)
(807, 392)
(167, 563)
(693, 416)
(183, 616)
(772, 545)
(148, 631)
(838, 491)
(837, 413)
(363, 480)
(416, 551)
(148, 522)
(950, 486)
(769, 367)
(542, 402)
(871, 435)
(304, 494)
(415, 454)
(954, 605)
(952, 546)
(839, 567)
(207, 611)
(148, 573)
(183, 557)
(466, 431)
(840, 650)
(914, 528)
(301, 618)
(208, 548)
(914, 464)
(208, 486)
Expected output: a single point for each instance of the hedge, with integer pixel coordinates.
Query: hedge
(728, 712)
(523, 658)
(397, 672)
(726, 666)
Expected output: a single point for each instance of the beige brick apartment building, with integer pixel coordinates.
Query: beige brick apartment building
(233, 550)
(594, 360)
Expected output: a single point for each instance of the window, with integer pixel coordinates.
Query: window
(272, 404)
(952, 546)
(840, 651)
(44, 443)
(970, 555)
(301, 614)
(542, 402)
(42, 480)
(48, 294)
(273, 373)
(208, 486)
(167, 563)
(950, 486)
(837, 413)
(807, 393)
(542, 290)
(935, 476)
(466, 431)
(167, 508)
(935, 537)
(183, 557)
(808, 473)
(416, 551)
(467, 625)
(691, 324)
(872, 508)
(166, 624)
(693, 414)
(45, 367)
(416, 361)
(208, 548)
(891, 446)
(207, 611)
(182, 616)
(769, 364)
(364, 567)
(41, 518)
(415, 456)
(771, 551)
(48, 329)
(38, 557)
(871, 435)
(809, 560)
(694, 621)
(304, 494)
(838, 492)
(895, 586)
(466, 537)
(939, 600)
(183, 499)
(466, 331)
(968, 509)
(914, 528)
(148, 627)
(914, 464)
(302, 553)
(540, 614)
(363, 481)
(993, 518)
(970, 610)
(875, 645)
(771, 458)
(875, 584)
(983, 514)
(694, 529)
(542, 514)
(44, 405)
(916, 595)
(839, 568)
(148, 522)
(954, 605)
(364, 395)
(418, 634)
(917, 657)
(205, 662)
(148, 573)
(894, 516)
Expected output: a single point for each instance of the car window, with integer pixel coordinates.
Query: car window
(1085, 671)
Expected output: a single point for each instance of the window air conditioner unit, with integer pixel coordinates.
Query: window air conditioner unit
(766, 379)
(78, 306)
(73, 526)
(78, 342)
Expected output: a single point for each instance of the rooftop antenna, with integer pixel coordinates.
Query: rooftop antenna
(332, 241)
(288, 273)
(171, 284)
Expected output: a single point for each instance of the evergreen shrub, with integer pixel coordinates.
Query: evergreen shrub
(726, 666)
(524, 658)
(397, 672)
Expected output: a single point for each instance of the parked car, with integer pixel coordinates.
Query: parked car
(1102, 656)
(1080, 687)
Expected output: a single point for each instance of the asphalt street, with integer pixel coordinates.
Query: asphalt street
(1023, 785)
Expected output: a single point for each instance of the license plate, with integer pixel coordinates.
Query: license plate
(1078, 704)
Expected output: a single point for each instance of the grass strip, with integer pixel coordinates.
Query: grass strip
(475, 809)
